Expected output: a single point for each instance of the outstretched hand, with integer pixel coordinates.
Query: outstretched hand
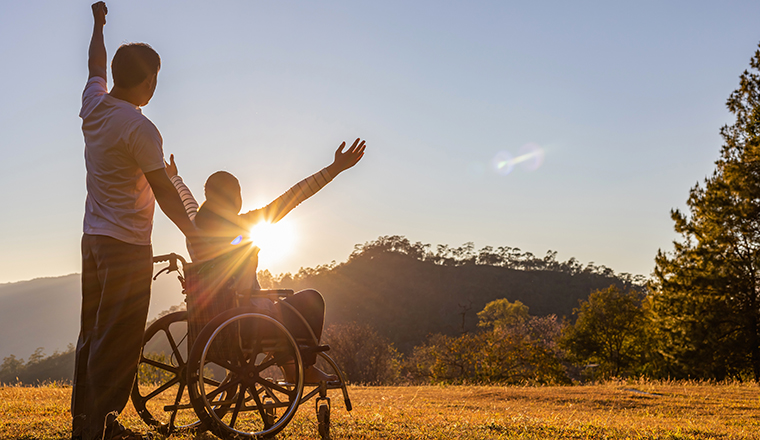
(171, 167)
(346, 159)
(99, 11)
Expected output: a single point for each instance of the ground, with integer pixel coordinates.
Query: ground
(614, 410)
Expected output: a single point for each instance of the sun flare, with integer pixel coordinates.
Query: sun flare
(276, 241)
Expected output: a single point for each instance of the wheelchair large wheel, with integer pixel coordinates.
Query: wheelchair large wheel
(160, 394)
(251, 347)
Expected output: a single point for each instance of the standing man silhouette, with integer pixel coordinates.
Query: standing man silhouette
(125, 177)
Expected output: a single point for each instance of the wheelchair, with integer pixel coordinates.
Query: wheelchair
(219, 365)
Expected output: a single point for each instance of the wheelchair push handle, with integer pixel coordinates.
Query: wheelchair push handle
(172, 259)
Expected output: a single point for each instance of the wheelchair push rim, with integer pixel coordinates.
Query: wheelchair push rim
(251, 348)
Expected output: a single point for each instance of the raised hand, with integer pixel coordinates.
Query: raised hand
(171, 167)
(346, 159)
(99, 11)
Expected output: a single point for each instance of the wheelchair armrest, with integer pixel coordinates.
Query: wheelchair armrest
(272, 293)
(314, 349)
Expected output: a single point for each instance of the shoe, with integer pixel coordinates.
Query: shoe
(117, 431)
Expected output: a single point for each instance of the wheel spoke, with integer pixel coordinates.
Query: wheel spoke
(271, 385)
(209, 381)
(162, 388)
(177, 399)
(272, 395)
(157, 403)
(267, 363)
(161, 365)
(175, 348)
(222, 388)
(260, 407)
(240, 402)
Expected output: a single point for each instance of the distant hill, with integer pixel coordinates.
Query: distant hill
(403, 290)
(406, 291)
(406, 299)
(45, 312)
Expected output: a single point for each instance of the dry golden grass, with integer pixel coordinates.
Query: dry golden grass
(617, 410)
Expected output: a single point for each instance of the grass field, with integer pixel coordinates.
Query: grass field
(617, 410)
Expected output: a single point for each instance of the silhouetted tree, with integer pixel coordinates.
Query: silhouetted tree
(58, 367)
(10, 369)
(705, 292)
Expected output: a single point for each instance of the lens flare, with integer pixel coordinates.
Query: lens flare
(503, 163)
(531, 157)
(276, 241)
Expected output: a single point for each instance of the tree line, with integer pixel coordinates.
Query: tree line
(402, 295)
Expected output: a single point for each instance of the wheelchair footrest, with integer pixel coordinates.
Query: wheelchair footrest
(315, 349)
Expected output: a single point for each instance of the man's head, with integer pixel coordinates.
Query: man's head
(135, 67)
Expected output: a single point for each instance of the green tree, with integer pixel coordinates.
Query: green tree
(502, 313)
(705, 302)
(608, 331)
(514, 348)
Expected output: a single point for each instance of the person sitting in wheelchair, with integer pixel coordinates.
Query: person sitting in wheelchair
(223, 228)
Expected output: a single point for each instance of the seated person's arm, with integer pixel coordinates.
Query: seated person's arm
(306, 188)
(349, 158)
(169, 201)
(191, 205)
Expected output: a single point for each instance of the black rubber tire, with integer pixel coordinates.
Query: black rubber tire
(246, 371)
(169, 372)
(323, 421)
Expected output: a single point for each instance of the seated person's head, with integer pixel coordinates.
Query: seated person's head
(222, 192)
(223, 199)
(217, 217)
(218, 214)
(136, 65)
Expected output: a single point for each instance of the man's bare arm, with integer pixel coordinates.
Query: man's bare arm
(97, 58)
(170, 203)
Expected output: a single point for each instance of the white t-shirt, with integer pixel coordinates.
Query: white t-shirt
(121, 144)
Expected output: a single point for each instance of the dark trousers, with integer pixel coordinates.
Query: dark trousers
(310, 304)
(116, 279)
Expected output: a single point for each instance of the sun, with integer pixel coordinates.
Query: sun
(276, 241)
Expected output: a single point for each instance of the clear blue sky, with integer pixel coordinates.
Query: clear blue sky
(625, 99)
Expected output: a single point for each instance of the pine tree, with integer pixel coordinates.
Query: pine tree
(704, 301)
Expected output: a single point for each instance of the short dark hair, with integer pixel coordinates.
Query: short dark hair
(132, 63)
(222, 189)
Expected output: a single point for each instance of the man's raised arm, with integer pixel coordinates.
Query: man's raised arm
(98, 60)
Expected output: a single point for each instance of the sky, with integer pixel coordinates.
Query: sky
(566, 126)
